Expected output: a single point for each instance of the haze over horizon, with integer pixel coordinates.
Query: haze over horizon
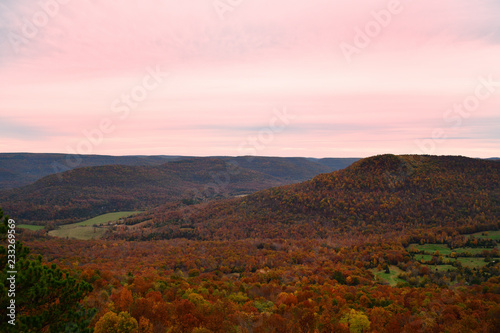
(322, 79)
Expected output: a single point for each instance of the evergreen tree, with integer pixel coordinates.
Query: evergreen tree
(47, 299)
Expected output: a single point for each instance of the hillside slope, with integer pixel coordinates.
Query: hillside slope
(373, 196)
(289, 169)
(87, 192)
(19, 169)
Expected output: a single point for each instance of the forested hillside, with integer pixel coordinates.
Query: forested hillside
(19, 169)
(373, 196)
(87, 192)
(291, 169)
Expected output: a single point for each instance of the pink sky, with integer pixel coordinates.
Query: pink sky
(63, 73)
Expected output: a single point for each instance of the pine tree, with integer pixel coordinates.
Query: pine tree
(46, 297)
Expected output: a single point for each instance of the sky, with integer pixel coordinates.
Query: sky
(321, 78)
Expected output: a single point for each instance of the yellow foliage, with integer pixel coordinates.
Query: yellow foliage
(357, 321)
(113, 323)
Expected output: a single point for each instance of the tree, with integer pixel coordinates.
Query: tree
(113, 323)
(145, 325)
(357, 321)
(123, 299)
(46, 297)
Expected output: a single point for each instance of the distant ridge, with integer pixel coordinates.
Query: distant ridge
(337, 163)
(19, 169)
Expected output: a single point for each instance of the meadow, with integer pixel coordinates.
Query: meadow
(445, 252)
(391, 278)
(30, 227)
(488, 234)
(85, 230)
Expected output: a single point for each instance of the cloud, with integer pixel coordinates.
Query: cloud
(227, 75)
(14, 130)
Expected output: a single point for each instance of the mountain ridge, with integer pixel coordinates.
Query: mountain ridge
(89, 191)
(20, 169)
(373, 195)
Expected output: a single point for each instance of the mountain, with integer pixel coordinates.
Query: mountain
(19, 169)
(290, 169)
(336, 163)
(90, 191)
(373, 196)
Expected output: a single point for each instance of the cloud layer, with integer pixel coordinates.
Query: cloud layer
(359, 80)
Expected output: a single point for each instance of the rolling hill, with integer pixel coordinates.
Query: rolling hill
(373, 196)
(335, 163)
(90, 191)
(20, 169)
(290, 169)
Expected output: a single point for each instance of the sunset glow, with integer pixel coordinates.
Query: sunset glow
(212, 78)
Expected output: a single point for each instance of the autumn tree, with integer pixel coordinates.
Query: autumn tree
(117, 323)
(145, 326)
(357, 321)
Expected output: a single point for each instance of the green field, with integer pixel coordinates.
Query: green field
(443, 250)
(391, 278)
(472, 250)
(431, 248)
(491, 234)
(472, 262)
(30, 227)
(424, 257)
(85, 230)
(105, 218)
(78, 232)
(442, 268)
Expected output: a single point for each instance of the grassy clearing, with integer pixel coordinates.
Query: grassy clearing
(472, 262)
(391, 278)
(472, 250)
(78, 232)
(442, 268)
(30, 227)
(85, 230)
(431, 248)
(445, 252)
(105, 218)
(488, 234)
(424, 257)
